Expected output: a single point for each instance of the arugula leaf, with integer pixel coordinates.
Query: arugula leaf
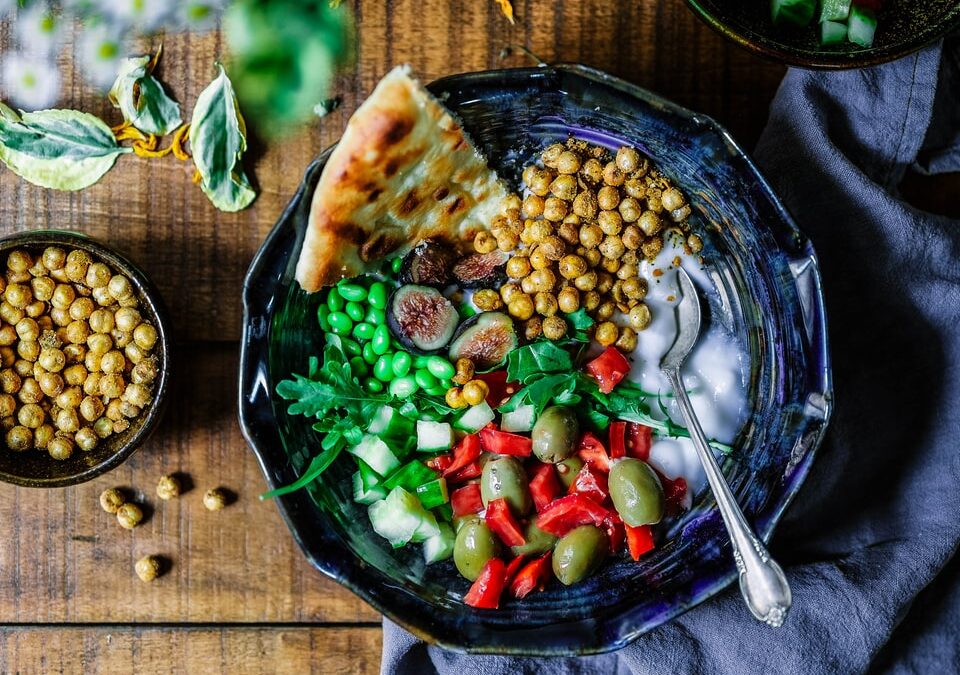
(59, 149)
(218, 139)
(310, 398)
(579, 322)
(537, 359)
(542, 391)
(142, 99)
(317, 466)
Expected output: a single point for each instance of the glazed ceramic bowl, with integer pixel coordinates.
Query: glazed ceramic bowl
(769, 294)
(37, 469)
(904, 27)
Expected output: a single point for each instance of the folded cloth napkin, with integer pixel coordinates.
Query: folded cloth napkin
(878, 518)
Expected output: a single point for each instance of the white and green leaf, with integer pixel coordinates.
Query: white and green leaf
(142, 99)
(59, 149)
(218, 141)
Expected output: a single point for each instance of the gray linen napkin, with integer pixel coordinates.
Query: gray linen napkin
(879, 516)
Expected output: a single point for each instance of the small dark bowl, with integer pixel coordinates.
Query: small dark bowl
(904, 27)
(768, 295)
(37, 469)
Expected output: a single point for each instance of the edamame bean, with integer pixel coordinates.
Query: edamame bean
(373, 385)
(424, 379)
(355, 311)
(437, 391)
(364, 331)
(351, 347)
(352, 292)
(359, 367)
(403, 387)
(375, 316)
(381, 340)
(335, 301)
(369, 355)
(340, 323)
(421, 362)
(401, 364)
(440, 367)
(323, 312)
(377, 296)
(396, 264)
(383, 368)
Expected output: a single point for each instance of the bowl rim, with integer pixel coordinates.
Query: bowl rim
(781, 52)
(153, 299)
(328, 553)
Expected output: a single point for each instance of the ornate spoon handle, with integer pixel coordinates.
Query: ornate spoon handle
(762, 581)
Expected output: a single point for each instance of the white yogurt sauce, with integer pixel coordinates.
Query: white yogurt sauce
(716, 372)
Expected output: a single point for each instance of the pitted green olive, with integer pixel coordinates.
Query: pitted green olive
(504, 477)
(555, 434)
(568, 470)
(474, 546)
(579, 553)
(636, 492)
(537, 541)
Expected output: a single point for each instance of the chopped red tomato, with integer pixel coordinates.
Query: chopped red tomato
(614, 528)
(465, 452)
(566, 513)
(499, 390)
(534, 576)
(470, 471)
(639, 540)
(466, 500)
(503, 524)
(639, 440)
(591, 449)
(544, 486)
(618, 440)
(608, 369)
(440, 462)
(486, 590)
(514, 567)
(505, 443)
(592, 483)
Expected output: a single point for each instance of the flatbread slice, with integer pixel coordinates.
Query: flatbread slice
(403, 171)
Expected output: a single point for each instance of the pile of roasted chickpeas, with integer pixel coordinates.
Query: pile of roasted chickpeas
(76, 363)
(578, 238)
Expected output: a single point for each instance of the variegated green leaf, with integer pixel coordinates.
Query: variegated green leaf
(218, 141)
(142, 99)
(60, 149)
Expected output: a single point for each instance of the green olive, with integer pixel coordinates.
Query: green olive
(504, 477)
(568, 470)
(579, 553)
(636, 492)
(475, 545)
(537, 541)
(555, 434)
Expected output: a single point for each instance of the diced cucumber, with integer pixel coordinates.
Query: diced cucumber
(832, 32)
(440, 546)
(444, 512)
(519, 420)
(372, 450)
(433, 493)
(401, 518)
(367, 494)
(389, 422)
(862, 26)
(834, 10)
(475, 419)
(434, 436)
(409, 410)
(795, 12)
(410, 476)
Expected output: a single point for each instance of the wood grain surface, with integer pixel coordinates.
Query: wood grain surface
(238, 596)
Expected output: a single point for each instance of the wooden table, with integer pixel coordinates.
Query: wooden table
(239, 596)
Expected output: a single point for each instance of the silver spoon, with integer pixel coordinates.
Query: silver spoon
(762, 582)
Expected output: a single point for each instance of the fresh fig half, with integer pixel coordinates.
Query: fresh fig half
(481, 270)
(485, 339)
(428, 264)
(421, 318)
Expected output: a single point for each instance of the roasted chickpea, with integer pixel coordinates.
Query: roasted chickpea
(19, 438)
(569, 232)
(586, 281)
(119, 287)
(91, 385)
(23, 367)
(650, 223)
(572, 266)
(30, 391)
(539, 259)
(81, 309)
(52, 359)
(591, 173)
(628, 159)
(77, 332)
(545, 304)
(98, 275)
(42, 436)
(586, 204)
(533, 206)
(518, 267)
(604, 282)
(627, 341)
(485, 299)
(53, 258)
(611, 247)
(145, 335)
(11, 314)
(8, 335)
(568, 162)
(215, 499)
(593, 257)
(617, 293)
(509, 291)
(31, 416)
(631, 237)
(464, 371)
(543, 280)
(568, 299)
(533, 328)
(540, 182)
(35, 309)
(19, 261)
(103, 427)
(86, 439)
(99, 343)
(694, 243)
(551, 154)
(540, 230)
(612, 175)
(45, 322)
(564, 187)
(506, 241)
(528, 172)
(552, 247)
(111, 385)
(67, 421)
(59, 316)
(554, 328)
(129, 515)
(454, 398)
(681, 214)
(475, 392)
(608, 198)
(629, 209)
(653, 201)
(69, 398)
(18, 295)
(60, 448)
(554, 209)
(606, 333)
(671, 199)
(102, 296)
(92, 361)
(77, 263)
(604, 312)
(591, 236)
(8, 405)
(63, 297)
(521, 307)
(74, 353)
(112, 362)
(130, 410)
(610, 222)
(484, 242)
(651, 247)
(9, 381)
(627, 270)
(639, 317)
(635, 288)
(7, 357)
(635, 187)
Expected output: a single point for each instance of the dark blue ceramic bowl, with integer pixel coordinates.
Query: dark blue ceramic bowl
(769, 284)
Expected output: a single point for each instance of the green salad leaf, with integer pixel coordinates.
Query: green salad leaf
(537, 359)
(579, 322)
(142, 99)
(218, 140)
(59, 149)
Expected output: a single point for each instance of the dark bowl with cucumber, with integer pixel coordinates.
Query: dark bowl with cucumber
(831, 34)
(769, 291)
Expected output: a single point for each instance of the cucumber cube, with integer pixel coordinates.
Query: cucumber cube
(834, 10)
(862, 26)
(440, 546)
(793, 12)
(519, 420)
(434, 436)
(832, 32)
(475, 419)
(372, 450)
